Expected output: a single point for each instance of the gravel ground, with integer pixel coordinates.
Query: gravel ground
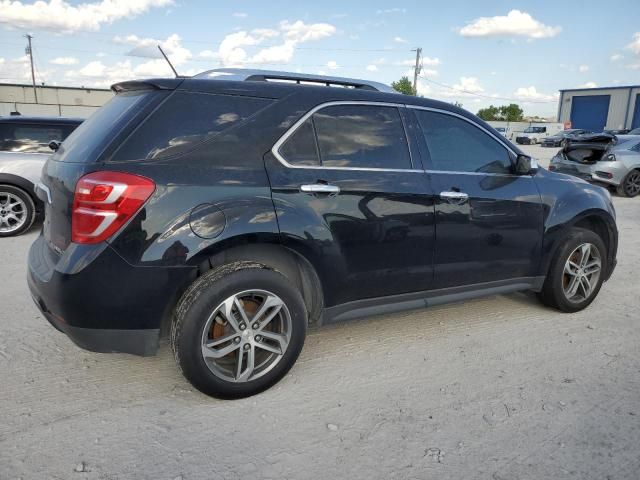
(498, 388)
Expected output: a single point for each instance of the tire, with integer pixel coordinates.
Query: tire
(16, 216)
(533, 141)
(554, 291)
(195, 329)
(630, 186)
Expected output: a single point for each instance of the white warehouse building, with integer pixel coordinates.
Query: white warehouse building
(597, 109)
(52, 101)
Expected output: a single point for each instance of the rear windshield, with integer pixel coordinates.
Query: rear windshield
(92, 136)
(32, 137)
(185, 120)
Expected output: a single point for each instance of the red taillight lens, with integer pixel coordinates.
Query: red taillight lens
(104, 201)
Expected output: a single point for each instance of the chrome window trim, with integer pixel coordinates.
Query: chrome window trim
(276, 147)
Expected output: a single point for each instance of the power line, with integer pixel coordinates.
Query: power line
(491, 97)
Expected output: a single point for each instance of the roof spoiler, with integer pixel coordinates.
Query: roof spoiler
(153, 84)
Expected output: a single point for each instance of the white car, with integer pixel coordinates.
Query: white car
(24, 148)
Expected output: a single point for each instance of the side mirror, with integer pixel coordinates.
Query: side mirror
(54, 145)
(525, 165)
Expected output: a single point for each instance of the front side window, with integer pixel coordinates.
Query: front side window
(184, 120)
(458, 146)
(31, 138)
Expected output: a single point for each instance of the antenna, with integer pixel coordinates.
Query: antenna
(168, 61)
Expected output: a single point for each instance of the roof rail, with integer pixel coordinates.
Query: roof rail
(251, 75)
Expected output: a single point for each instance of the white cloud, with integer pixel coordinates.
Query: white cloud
(148, 48)
(588, 85)
(97, 74)
(63, 17)
(468, 84)
(93, 69)
(240, 15)
(64, 61)
(372, 68)
(428, 72)
(332, 65)
(616, 57)
(15, 70)
(400, 40)
(634, 46)
(391, 10)
(425, 61)
(531, 93)
(583, 68)
(232, 49)
(514, 24)
(208, 54)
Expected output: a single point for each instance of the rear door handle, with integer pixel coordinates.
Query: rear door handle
(320, 188)
(456, 198)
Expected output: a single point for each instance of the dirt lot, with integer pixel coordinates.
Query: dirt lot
(498, 388)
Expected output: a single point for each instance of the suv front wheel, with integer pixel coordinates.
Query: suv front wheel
(576, 272)
(238, 330)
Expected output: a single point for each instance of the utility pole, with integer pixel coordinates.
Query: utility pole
(416, 70)
(29, 52)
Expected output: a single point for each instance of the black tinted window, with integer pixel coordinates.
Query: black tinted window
(300, 148)
(31, 138)
(456, 145)
(184, 120)
(89, 139)
(364, 136)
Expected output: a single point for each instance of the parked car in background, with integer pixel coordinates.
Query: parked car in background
(610, 162)
(236, 207)
(24, 148)
(560, 139)
(534, 134)
(504, 131)
(619, 131)
(635, 131)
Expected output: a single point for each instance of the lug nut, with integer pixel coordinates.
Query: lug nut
(258, 338)
(247, 346)
(237, 339)
(255, 326)
(242, 326)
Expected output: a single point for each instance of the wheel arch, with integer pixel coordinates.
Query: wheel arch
(293, 265)
(23, 184)
(596, 220)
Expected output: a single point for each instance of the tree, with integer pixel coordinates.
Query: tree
(403, 86)
(489, 113)
(508, 113)
(511, 113)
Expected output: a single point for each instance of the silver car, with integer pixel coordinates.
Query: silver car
(615, 165)
(24, 148)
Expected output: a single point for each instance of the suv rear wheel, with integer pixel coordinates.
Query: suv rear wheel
(238, 330)
(576, 272)
(17, 211)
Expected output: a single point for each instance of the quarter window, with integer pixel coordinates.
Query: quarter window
(186, 119)
(457, 145)
(301, 148)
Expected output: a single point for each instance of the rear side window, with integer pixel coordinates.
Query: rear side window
(93, 135)
(31, 138)
(186, 119)
(352, 136)
(458, 146)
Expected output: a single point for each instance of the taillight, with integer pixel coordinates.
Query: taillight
(104, 201)
(552, 168)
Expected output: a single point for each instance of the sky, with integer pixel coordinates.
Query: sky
(475, 53)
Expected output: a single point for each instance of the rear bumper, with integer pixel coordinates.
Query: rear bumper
(100, 301)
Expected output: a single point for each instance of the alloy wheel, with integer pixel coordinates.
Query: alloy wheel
(581, 273)
(632, 184)
(246, 336)
(13, 212)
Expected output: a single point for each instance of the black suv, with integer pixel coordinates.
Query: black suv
(232, 209)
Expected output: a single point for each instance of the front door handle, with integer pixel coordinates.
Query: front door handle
(455, 198)
(320, 188)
